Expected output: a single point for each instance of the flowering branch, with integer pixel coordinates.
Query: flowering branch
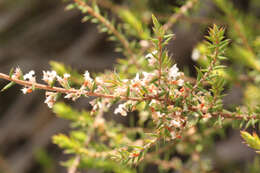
(72, 91)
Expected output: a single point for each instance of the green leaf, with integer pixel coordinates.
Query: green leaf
(252, 141)
(156, 24)
(9, 85)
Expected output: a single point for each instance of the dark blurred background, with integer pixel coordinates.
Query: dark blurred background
(33, 32)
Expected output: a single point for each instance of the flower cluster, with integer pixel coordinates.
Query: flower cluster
(29, 76)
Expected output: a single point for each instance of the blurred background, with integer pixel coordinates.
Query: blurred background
(34, 32)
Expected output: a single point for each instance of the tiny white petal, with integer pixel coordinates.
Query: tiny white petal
(24, 90)
(195, 55)
(66, 75)
(174, 72)
(180, 82)
(87, 77)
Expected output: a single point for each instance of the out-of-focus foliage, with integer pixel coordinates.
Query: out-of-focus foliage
(253, 141)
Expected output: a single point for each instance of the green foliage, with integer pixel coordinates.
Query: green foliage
(252, 141)
(45, 161)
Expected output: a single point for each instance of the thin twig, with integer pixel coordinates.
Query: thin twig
(75, 164)
(103, 20)
(111, 27)
(160, 59)
(179, 14)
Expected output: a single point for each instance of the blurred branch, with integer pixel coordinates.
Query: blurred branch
(103, 20)
(172, 20)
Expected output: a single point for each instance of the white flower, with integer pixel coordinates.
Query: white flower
(148, 77)
(151, 59)
(26, 90)
(174, 72)
(73, 96)
(154, 102)
(136, 82)
(30, 76)
(51, 98)
(63, 81)
(175, 123)
(49, 77)
(195, 55)
(180, 82)
(87, 77)
(121, 109)
(160, 115)
(178, 113)
(66, 75)
(137, 78)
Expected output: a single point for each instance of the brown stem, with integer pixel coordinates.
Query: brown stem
(66, 91)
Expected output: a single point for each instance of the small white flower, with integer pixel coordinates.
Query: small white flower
(154, 102)
(49, 77)
(178, 113)
(195, 55)
(160, 115)
(87, 77)
(121, 110)
(180, 82)
(51, 98)
(26, 90)
(148, 77)
(63, 81)
(136, 82)
(175, 123)
(174, 72)
(30, 76)
(150, 57)
(66, 75)
(73, 96)
(137, 78)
